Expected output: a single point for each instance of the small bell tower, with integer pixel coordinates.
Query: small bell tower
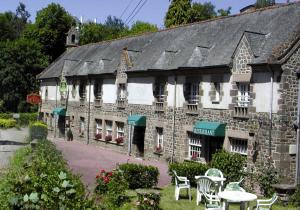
(72, 37)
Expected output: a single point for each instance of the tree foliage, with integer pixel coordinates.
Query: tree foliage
(141, 27)
(264, 3)
(50, 28)
(183, 11)
(20, 61)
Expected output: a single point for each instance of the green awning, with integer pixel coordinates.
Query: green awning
(137, 120)
(209, 128)
(59, 111)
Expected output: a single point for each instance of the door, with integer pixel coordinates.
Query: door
(61, 126)
(138, 139)
(215, 145)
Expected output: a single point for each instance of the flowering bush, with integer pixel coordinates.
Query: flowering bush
(102, 180)
(148, 200)
(98, 136)
(108, 138)
(119, 140)
(158, 149)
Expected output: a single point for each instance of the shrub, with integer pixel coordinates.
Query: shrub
(102, 180)
(295, 198)
(38, 130)
(40, 179)
(148, 200)
(139, 176)
(5, 115)
(188, 169)
(27, 118)
(7, 123)
(231, 165)
(267, 175)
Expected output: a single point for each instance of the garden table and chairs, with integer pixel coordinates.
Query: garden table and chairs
(181, 183)
(241, 197)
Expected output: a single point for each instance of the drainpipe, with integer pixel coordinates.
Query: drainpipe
(55, 115)
(271, 112)
(129, 137)
(298, 135)
(174, 112)
(89, 113)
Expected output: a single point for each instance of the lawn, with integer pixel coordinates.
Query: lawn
(168, 201)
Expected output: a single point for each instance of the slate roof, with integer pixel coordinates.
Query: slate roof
(199, 45)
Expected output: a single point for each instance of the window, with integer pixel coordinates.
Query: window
(82, 90)
(97, 89)
(239, 145)
(191, 93)
(217, 89)
(159, 138)
(81, 126)
(73, 91)
(73, 38)
(108, 125)
(243, 94)
(120, 129)
(195, 146)
(98, 126)
(122, 92)
(46, 93)
(159, 92)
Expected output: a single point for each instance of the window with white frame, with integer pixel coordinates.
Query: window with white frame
(108, 127)
(82, 90)
(191, 93)
(120, 129)
(239, 145)
(159, 92)
(81, 126)
(217, 91)
(195, 146)
(98, 126)
(122, 92)
(159, 138)
(243, 94)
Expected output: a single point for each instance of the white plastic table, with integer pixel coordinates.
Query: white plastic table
(237, 197)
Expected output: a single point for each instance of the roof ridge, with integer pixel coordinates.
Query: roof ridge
(195, 23)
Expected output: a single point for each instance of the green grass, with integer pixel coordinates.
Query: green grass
(168, 201)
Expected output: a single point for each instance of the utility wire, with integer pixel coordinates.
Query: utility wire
(137, 11)
(133, 11)
(125, 9)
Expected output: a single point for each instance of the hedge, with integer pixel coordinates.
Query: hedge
(188, 169)
(140, 176)
(5, 115)
(38, 130)
(7, 123)
(27, 118)
(40, 179)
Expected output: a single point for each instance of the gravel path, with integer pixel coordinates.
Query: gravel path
(87, 160)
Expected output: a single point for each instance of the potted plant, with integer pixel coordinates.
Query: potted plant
(98, 136)
(194, 157)
(119, 140)
(158, 149)
(108, 138)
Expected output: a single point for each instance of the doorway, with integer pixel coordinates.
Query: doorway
(61, 126)
(138, 139)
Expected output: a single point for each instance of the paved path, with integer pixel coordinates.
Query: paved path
(10, 140)
(87, 160)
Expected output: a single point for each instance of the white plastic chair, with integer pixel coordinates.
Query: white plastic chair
(216, 173)
(185, 185)
(206, 187)
(266, 204)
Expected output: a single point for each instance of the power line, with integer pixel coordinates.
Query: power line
(137, 11)
(125, 9)
(133, 11)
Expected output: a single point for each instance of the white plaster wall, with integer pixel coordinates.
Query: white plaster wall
(225, 88)
(109, 89)
(262, 89)
(140, 90)
(71, 98)
(51, 85)
(179, 91)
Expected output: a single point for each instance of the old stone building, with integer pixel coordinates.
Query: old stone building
(186, 92)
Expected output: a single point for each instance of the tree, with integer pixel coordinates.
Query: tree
(114, 27)
(223, 12)
(178, 13)
(20, 61)
(264, 3)
(50, 28)
(22, 13)
(201, 12)
(140, 27)
(92, 32)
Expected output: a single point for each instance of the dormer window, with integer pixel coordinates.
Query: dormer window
(243, 95)
(98, 89)
(191, 93)
(159, 92)
(122, 92)
(82, 90)
(46, 93)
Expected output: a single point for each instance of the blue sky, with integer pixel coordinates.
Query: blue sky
(153, 11)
